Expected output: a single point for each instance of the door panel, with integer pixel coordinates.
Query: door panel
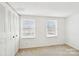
(2, 30)
(13, 33)
(16, 32)
(10, 40)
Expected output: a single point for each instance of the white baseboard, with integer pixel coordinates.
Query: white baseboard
(34, 46)
(72, 45)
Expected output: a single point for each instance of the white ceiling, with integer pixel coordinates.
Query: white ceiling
(56, 9)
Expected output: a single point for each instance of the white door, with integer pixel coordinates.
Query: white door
(13, 33)
(3, 35)
(9, 32)
(10, 42)
(17, 31)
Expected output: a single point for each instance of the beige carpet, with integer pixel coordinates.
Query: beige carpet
(57, 50)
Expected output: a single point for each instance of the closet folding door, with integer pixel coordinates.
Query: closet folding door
(9, 31)
(13, 30)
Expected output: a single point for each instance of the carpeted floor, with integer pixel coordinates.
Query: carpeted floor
(56, 50)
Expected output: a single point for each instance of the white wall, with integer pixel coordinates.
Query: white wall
(41, 39)
(72, 31)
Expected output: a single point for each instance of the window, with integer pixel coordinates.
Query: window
(51, 28)
(28, 28)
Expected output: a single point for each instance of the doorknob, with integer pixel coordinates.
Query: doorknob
(16, 35)
(13, 36)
